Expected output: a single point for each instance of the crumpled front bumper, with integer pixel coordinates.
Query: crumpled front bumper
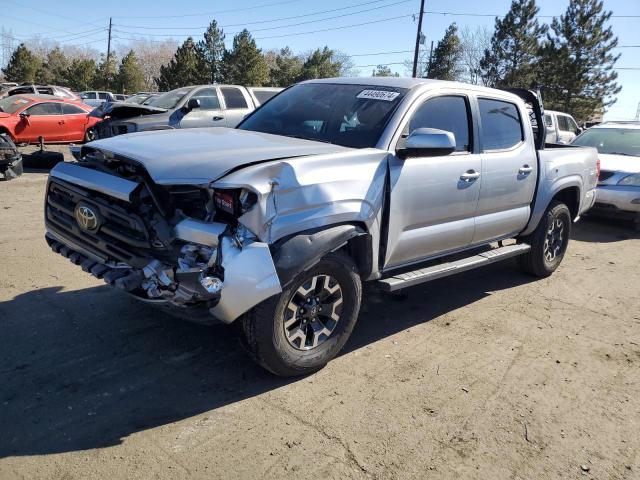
(250, 276)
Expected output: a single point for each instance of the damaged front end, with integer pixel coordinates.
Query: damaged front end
(170, 245)
(10, 159)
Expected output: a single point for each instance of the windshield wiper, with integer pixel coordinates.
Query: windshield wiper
(621, 153)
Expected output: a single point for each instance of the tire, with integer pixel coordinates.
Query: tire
(89, 135)
(548, 241)
(338, 286)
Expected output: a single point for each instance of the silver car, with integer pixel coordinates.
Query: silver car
(618, 192)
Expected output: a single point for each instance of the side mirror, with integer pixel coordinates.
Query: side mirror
(428, 142)
(192, 104)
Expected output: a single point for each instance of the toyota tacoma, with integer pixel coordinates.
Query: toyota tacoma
(276, 223)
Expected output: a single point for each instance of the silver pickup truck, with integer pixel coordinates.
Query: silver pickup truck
(276, 223)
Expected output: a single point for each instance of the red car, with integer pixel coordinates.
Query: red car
(27, 117)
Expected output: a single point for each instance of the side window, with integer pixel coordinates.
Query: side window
(572, 125)
(68, 109)
(233, 98)
(448, 113)
(89, 95)
(45, 109)
(548, 121)
(562, 123)
(103, 95)
(501, 124)
(208, 99)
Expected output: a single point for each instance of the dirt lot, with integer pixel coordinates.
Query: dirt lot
(486, 375)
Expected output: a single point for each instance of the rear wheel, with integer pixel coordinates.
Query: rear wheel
(300, 330)
(548, 242)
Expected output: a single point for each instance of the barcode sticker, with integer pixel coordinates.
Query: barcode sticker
(378, 95)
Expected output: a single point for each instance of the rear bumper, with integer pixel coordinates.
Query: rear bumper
(617, 197)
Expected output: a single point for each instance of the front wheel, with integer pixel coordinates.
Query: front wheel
(303, 328)
(548, 242)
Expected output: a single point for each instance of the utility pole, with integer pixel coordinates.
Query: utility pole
(109, 43)
(418, 35)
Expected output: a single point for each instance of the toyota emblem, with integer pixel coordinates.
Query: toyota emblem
(86, 218)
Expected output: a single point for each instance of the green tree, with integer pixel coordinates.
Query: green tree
(106, 73)
(23, 65)
(187, 67)
(446, 62)
(510, 60)
(286, 70)
(81, 74)
(130, 77)
(577, 60)
(321, 64)
(384, 71)
(245, 64)
(212, 49)
(54, 69)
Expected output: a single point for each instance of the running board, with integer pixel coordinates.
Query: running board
(408, 279)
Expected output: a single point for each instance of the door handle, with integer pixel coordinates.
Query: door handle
(525, 170)
(217, 117)
(470, 176)
(61, 122)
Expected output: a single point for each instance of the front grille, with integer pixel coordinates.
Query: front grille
(121, 236)
(605, 175)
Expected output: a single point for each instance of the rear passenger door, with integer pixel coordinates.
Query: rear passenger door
(434, 198)
(509, 170)
(75, 121)
(209, 114)
(236, 104)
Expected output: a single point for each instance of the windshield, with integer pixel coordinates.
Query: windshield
(619, 141)
(170, 99)
(138, 98)
(347, 115)
(12, 104)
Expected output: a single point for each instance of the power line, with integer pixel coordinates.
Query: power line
(260, 21)
(469, 14)
(212, 13)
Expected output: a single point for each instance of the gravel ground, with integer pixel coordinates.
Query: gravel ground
(488, 375)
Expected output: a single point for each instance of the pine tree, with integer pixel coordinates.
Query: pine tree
(187, 67)
(510, 60)
(81, 74)
(23, 65)
(576, 62)
(446, 63)
(54, 68)
(212, 50)
(321, 64)
(244, 64)
(286, 70)
(130, 78)
(106, 73)
(384, 71)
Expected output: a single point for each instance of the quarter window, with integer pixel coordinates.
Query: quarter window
(45, 109)
(501, 124)
(448, 113)
(233, 98)
(68, 109)
(208, 99)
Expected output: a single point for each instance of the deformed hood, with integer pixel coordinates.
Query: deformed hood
(201, 155)
(124, 110)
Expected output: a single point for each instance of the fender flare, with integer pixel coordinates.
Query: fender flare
(303, 250)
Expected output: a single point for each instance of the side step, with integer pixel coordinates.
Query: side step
(408, 279)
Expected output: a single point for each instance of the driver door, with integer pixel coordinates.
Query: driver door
(41, 120)
(210, 113)
(434, 198)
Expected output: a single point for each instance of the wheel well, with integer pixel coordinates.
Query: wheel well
(5, 130)
(360, 249)
(570, 196)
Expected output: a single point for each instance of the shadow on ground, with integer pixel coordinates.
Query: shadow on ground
(86, 368)
(603, 230)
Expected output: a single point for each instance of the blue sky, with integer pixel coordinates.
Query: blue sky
(76, 21)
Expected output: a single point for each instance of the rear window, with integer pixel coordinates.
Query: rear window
(501, 124)
(233, 98)
(12, 104)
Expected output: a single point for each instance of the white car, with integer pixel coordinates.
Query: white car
(95, 98)
(561, 127)
(618, 192)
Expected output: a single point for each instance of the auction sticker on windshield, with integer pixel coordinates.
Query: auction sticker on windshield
(378, 95)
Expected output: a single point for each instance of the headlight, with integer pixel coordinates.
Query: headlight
(631, 180)
(235, 201)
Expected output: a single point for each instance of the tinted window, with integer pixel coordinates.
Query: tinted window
(571, 124)
(103, 95)
(548, 121)
(170, 99)
(562, 123)
(444, 113)
(208, 99)
(233, 98)
(347, 115)
(45, 109)
(89, 95)
(264, 95)
(69, 109)
(620, 141)
(501, 125)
